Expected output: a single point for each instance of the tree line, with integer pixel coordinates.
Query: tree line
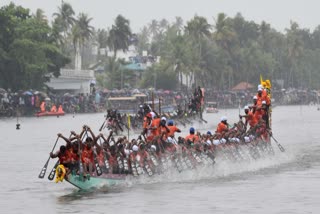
(215, 53)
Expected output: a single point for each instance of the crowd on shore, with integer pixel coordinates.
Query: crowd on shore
(26, 103)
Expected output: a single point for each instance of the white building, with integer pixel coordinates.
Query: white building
(75, 81)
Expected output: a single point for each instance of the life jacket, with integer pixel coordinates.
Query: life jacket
(53, 108)
(64, 158)
(87, 156)
(60, 110)
(60, 173)
(73, 156)
(100, 158)
(43, 107)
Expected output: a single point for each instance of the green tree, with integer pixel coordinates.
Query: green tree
(18, 68)
(82, 31)
(119, 35)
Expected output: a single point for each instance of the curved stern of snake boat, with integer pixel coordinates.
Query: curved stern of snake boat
(94, 182)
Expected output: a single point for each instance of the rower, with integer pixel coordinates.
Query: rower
(249, 118)
(222, 126)
(163, 129)
(192, 137)
(172, 128)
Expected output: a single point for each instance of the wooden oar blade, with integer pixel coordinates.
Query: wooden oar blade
(53, 171)
(43, 172)
(44, 169)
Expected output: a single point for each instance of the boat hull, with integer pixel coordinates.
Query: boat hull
(44, 114)
(94, 182)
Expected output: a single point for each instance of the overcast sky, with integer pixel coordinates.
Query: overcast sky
(140, 12)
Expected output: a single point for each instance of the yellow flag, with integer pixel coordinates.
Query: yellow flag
(261, 79)
(129, 122)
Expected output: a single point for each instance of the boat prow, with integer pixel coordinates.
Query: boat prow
(95, 182)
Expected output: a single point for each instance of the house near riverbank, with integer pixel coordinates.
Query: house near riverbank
(73, 81)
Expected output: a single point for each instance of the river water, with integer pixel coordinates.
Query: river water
(286, 183)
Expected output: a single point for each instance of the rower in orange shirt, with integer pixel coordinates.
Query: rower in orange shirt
(147, 124)
(192, 137)
(249, 117)
(222, 126)
(163, 130)
(155, 127)
(172, 128)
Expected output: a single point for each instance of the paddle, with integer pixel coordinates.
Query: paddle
(203, 120)
(44, 168)
(102, 126)
(278, 144)
(53, 171)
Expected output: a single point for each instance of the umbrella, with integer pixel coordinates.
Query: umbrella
(135, 91)
(2, 90)
(27, 93)
(67, 95)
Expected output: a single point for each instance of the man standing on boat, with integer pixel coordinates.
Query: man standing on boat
(249, 117)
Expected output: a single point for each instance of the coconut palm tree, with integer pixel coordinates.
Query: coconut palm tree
(39, 16)
(224, 34)
(295, 51)
(154, 28)
(119, 35)
(65, 16)
(197, 29)
(82, 31)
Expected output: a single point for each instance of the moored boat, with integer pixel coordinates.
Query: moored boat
(49, 113)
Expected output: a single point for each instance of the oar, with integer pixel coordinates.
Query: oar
(44, 169)
(102, 126)
(203, 120)
(278, 144)
(53, 171)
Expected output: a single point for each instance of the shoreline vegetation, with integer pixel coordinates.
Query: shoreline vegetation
(215, 54)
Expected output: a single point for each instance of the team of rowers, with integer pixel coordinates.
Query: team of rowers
(157, 145)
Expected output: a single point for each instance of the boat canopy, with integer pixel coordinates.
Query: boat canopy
(122, 98)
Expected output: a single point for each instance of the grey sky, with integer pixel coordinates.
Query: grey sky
(140, 12)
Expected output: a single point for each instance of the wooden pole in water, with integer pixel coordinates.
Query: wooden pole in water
(160, 106)
(152, 95)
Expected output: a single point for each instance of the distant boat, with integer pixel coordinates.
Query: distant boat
(49, 113)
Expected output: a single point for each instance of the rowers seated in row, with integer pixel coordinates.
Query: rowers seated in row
(68, 154)
(54, 109)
